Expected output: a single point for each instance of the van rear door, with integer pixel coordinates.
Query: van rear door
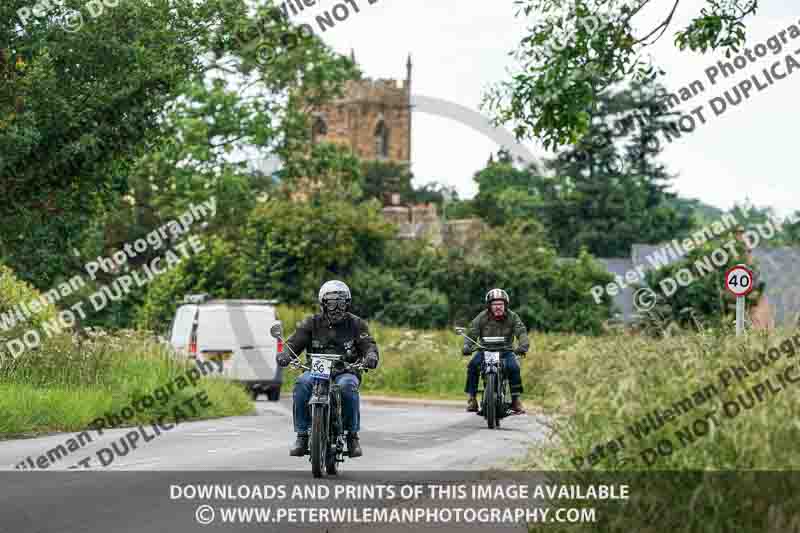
(239, 336)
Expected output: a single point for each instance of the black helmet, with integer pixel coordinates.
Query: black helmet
(334, 300)
(497, 294)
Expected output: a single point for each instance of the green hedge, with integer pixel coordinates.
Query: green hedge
(287, 252)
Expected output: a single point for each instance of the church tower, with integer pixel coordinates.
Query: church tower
(373, 118)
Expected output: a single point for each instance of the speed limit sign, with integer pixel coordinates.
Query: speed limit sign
(739, 280)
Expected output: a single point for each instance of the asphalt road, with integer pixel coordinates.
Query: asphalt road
(131, 492)
(394, 437)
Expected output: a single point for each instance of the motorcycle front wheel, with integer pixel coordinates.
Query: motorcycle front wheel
(319, 440)
(331, 455)
(490, 400)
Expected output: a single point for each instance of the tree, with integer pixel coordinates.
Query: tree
(401, 288)
(382, 177)
(129, 103)
(207, 272)
(87, 110)
(574, 51)
(504, 190)
(289, 250)
(705, 295)
(607, 198)
(433, 193)
(550, 294)
(703, 213)
(792, 230)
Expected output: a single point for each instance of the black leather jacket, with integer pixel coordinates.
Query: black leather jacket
(350, 338)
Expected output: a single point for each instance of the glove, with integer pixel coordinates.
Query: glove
(371, 361)
(466, 350)
(283, 359)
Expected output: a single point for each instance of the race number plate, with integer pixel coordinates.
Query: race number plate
(320, 368)
(492, 357)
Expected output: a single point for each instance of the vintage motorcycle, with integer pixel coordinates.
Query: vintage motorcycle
(327, 438)
(496, 394)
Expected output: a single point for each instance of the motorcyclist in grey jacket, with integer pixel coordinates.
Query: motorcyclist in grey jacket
(497, 320)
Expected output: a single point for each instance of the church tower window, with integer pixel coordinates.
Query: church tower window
(382, 140)
(319, 129)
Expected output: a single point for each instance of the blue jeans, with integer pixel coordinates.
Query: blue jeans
(511, 369)
(350, 403)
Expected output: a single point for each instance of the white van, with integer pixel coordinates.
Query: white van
(236, 333)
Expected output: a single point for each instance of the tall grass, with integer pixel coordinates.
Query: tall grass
(605, 385)
(68, 383)
(734, 475)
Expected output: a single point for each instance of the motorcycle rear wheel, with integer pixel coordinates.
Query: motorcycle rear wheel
(331, 464)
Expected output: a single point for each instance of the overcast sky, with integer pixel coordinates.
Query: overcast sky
(461, 48)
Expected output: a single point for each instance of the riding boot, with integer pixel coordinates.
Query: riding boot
(353, 447)
(472, 405)
(516, 406)
(300, 447)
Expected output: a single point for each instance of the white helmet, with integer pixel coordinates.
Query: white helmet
(497, 294)
(338, 295)
(334, 288)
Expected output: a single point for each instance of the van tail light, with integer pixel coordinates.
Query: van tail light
(193, 337)
(280, 345)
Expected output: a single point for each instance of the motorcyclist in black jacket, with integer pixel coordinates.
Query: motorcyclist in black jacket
(333, 330)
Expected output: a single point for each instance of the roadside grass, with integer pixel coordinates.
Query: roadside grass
(66, 384)
(607, 384)
(729, 472)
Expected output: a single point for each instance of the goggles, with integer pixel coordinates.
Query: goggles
(333, 304)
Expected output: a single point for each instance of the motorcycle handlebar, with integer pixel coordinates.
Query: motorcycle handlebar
(476, 345)
(332, 357)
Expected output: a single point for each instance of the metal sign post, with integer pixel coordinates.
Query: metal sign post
(739, 315)
(739, 282)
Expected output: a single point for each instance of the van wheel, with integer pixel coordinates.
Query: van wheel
(274, 394)
(254, 394)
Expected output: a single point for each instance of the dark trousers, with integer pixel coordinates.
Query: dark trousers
(511, 368)
(351, 413)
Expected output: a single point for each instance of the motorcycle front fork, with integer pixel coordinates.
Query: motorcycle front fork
(335, 417)
(501, 386)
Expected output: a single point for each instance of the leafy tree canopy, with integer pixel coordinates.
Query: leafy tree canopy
(574, 50)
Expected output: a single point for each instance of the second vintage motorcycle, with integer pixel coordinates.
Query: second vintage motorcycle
(496, 394)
